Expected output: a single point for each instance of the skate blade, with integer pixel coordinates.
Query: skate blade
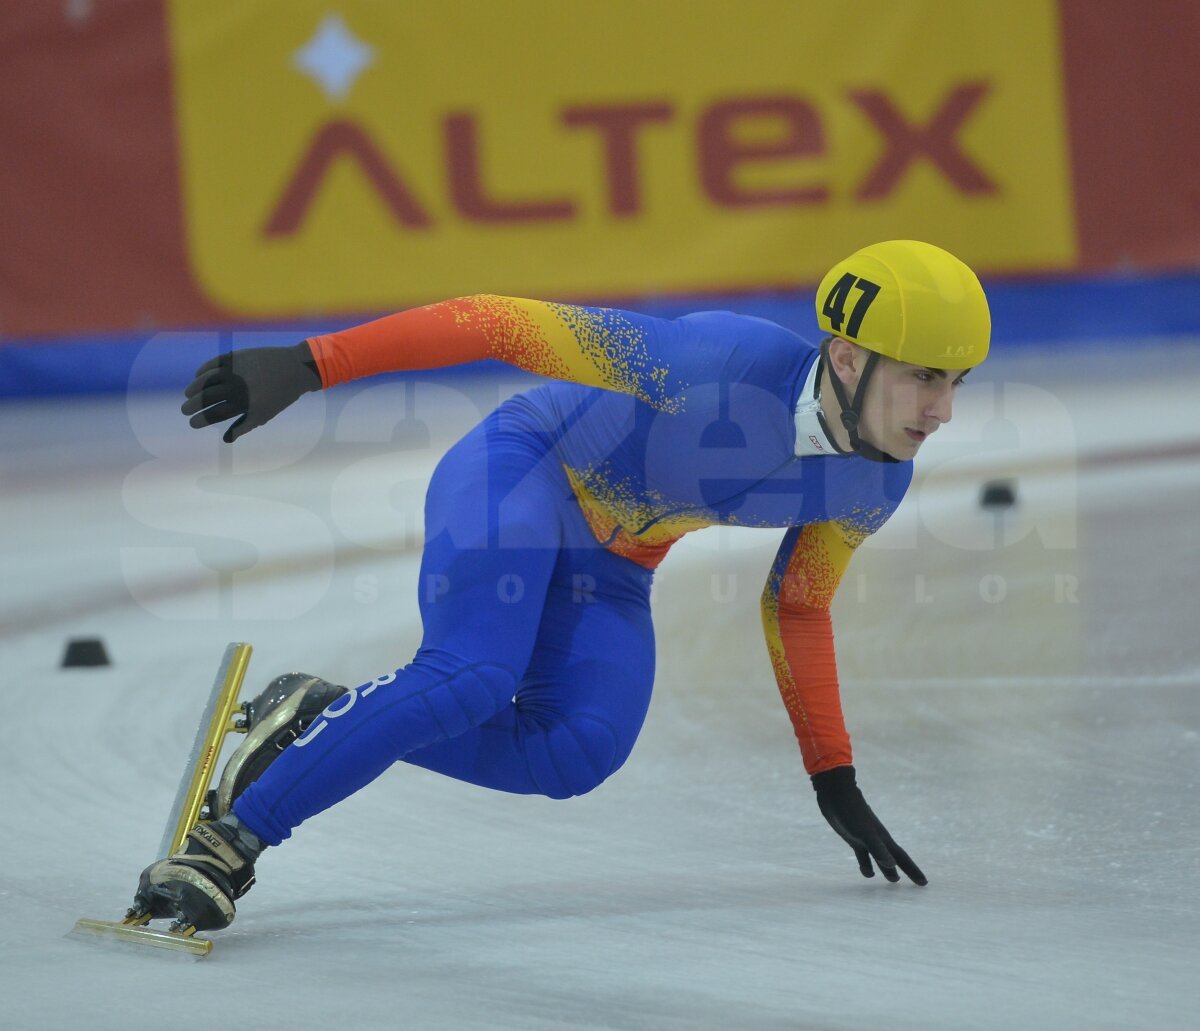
(125, 931)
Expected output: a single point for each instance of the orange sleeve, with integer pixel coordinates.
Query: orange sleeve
(421, 338)
(799, 632)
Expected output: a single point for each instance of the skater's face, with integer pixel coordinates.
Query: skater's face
(904, 403)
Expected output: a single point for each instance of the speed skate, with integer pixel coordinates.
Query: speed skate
(194, 801)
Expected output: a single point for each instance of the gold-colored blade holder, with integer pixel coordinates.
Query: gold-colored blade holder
(217, 722)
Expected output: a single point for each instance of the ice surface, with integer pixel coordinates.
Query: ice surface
(1023, 689)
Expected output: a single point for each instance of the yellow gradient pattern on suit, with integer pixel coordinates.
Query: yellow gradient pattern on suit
(613, 507)
(597, 347)
(376, 156)
(817, 562)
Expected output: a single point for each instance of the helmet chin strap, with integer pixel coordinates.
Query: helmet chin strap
(852, 410)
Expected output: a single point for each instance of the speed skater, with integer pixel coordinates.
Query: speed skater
(545, 523)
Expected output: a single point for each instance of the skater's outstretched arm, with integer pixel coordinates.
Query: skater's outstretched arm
(795, 611)
(654, 360)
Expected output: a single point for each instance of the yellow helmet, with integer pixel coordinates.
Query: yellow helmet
(910, 301)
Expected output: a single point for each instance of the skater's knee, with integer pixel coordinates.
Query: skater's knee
(575, 756)
(470, 695)
(486, 686)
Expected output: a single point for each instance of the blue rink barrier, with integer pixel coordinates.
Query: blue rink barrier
(1024, 312)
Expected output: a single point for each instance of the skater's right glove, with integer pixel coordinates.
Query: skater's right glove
(252, 386)
(843, 805)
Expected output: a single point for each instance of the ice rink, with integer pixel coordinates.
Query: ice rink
(1022, 687)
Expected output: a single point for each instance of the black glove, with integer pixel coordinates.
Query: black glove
(255, 384)
(843, 805)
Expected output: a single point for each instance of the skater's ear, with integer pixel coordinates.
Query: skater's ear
(846, 360)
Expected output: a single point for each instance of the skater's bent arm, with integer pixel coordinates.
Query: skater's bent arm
(799, 632)
(652, 359)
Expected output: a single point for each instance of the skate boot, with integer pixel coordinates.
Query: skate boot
(282, 712)
(197, 885)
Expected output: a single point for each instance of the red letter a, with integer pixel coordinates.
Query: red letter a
(334, 139)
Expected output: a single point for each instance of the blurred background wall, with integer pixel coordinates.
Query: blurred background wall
(302, 165)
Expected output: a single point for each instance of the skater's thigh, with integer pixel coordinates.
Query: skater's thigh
(493, 520)
(594, 654)
(500, 486)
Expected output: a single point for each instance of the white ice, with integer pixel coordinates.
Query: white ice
(1022, 687)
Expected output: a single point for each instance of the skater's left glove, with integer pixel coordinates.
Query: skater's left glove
(843, 805)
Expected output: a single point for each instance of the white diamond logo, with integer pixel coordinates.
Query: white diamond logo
(334, 57)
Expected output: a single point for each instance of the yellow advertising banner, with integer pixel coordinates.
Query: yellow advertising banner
(367, 155)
